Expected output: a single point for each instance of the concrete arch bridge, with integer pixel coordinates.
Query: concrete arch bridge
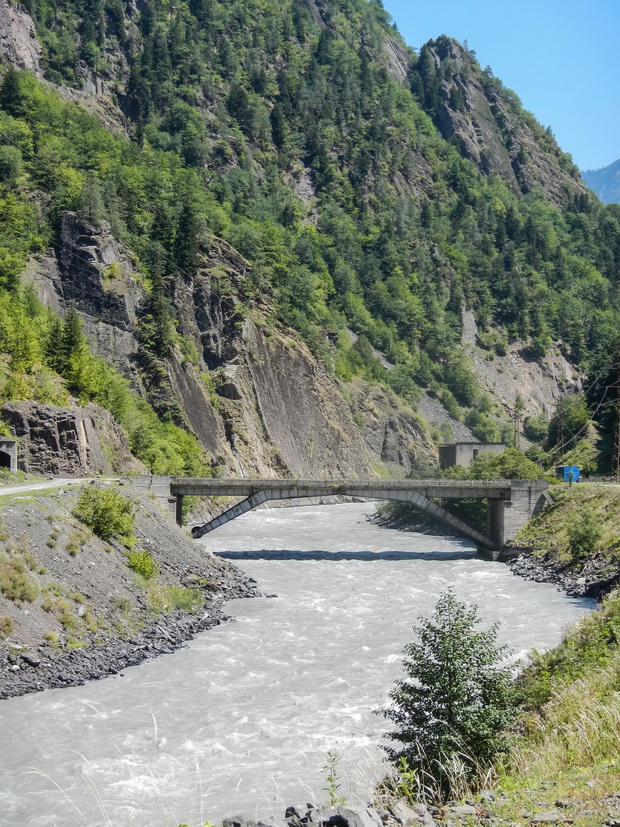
(511, 503)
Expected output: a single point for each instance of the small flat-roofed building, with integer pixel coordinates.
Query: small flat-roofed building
(8, 453)
(463, 453)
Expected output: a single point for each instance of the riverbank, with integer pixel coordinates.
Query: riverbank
(72, 610)
(587, 566)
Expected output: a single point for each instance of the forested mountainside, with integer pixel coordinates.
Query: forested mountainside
(605, 182)
(282, 230)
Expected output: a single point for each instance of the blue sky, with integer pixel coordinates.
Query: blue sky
(561, 57)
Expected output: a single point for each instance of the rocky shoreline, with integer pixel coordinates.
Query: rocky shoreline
(44, 668)
(485, 809)
(591, 581)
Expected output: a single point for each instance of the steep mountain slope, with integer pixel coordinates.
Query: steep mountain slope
(605, 182)
(263, 227)
(473, 110)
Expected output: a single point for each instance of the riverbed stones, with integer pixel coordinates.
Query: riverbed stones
(547, 817)
(238, 821)
(358, 817)
(405, 814)
(31, 658)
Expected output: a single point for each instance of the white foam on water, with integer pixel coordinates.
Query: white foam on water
(242, 719)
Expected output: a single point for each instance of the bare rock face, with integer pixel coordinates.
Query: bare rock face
(95, 274)
(395, 436)
(18, 39)
(540, 382)
(397, 59)
(258, 400)
(483, 118)
(68, 441)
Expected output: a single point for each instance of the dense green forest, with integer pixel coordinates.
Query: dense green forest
(279, 127)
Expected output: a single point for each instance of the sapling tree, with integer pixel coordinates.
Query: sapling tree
(457, 699)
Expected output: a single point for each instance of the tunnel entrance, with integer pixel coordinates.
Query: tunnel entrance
(5, 460)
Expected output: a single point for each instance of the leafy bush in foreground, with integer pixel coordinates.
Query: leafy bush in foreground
(107, 513)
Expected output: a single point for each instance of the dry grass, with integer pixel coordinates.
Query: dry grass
(570, 748)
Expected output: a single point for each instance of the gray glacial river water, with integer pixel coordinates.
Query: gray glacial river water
(241, 720)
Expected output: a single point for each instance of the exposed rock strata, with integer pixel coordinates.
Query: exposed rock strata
(540, 382)
(18, 39)
(68, 441)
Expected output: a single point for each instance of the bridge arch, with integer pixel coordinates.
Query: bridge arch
(415, 498)
(511, 503)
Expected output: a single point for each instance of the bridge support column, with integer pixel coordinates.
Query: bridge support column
(527, 499)
(495, 521)
(178, 509)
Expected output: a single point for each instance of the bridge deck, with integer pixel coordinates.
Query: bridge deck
(204, 487)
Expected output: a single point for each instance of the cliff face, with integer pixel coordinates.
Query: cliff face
(68, 441)
(18, 39)
(485, 121)
(256, 397)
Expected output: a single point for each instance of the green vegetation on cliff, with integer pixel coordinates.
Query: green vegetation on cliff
(288, 131)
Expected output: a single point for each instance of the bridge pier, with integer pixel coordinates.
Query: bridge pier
(495, 522)
(506, 517)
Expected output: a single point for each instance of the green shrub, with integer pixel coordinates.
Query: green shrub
(456, 701)
(142, 563)
(14, 583)
(51, 637)
(107, 513)
(583, 535)
(6, 627)
(166, 598)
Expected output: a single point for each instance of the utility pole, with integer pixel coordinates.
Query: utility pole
(518, 419)
(615, 463)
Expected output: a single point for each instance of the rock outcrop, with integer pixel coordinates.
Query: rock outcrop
(256, 397)
(58, 441)
(18, 39)
(485, 120)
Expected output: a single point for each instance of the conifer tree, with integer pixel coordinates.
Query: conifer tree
(10, 94)
(186, 240)
(73, 340)
(457, 699)
(54, 346)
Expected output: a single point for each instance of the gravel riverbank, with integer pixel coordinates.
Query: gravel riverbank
(71, 610)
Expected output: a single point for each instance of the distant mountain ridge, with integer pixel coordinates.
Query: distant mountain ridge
(605, 182)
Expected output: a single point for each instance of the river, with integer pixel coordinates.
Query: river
(242, 719)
